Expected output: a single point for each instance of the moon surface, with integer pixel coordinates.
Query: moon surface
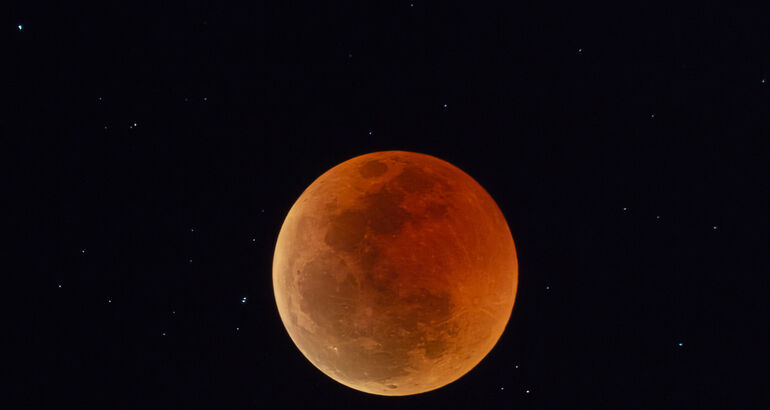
(395, 273)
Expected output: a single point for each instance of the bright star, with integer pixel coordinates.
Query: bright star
(21, 28)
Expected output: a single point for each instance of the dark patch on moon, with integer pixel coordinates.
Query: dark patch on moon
(413, 179)
(373, 169)
(385, 215)
(436, 210)
(346, 230)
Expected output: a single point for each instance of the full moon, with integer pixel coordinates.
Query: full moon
(395, 273)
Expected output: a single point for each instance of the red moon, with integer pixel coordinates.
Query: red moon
(395, 273)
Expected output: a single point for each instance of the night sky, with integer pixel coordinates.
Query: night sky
(155, 150)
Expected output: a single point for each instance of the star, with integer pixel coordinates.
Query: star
(516, 366)
(580, 50)
(370, 133)
(189, 260)
(625, 209)
(185, 99)
(444, 105)
(526, 391)
(59, 286)
(192, 229)
(680, 344)
(205, 99)
(109, 300)
(162, 333)
(714, 227)
(83, 251)
(547, 288)
(657, 217)
(20, 27)
(173, 312)
(243, 300)
(652, 115)
(502, 388)
(761, 81)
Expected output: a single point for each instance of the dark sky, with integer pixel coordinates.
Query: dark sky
(155, 150)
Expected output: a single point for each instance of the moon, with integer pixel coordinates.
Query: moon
(395, 273)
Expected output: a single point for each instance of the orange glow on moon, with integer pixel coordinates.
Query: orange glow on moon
(395, 273)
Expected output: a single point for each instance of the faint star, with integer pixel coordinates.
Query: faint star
(350, 55)
(526, 391)
(502, 388)
(109, 300)
(714, 227)
(105, 128)
(20, 27)
(173, 312)
(681, 344)
(59, 286)
(657, 217)
(253, 239)
(580, 50)
(762, 81)
(205, 99)
(83, 251)
(192, 229)
(547, 288)
(516, 366)
(162, 333)
(189, 260)
(185, 99)
(237, 329)
(652, 115)
(444, 105)
(243, 300)
(625, 209)
(370, 133)
(99, 99)
(411, 4)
